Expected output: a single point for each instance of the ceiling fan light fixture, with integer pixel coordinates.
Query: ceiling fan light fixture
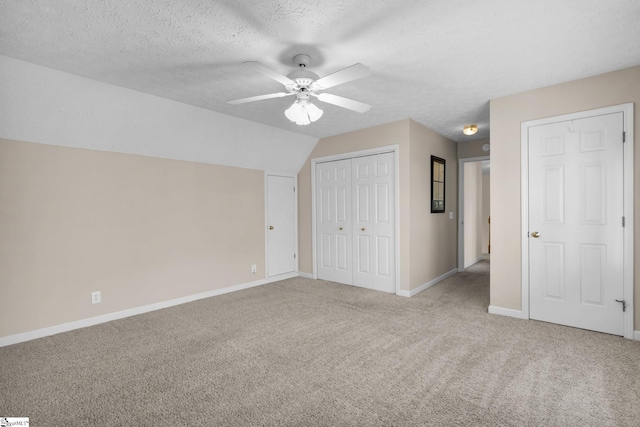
(302, 112)
(314, 112)
(470, 129)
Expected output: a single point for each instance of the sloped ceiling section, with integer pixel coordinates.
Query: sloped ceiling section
(51, 107)
(436, 62)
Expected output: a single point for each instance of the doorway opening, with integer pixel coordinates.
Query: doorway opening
(474, 212)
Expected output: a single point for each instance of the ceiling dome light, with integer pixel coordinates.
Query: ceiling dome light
(470, 129)
(302, 112)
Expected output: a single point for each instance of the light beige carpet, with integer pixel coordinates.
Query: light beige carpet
(302, 353)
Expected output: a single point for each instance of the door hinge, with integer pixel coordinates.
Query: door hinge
(624, 304)
(294, 189)
(294, 256)
(624, 136)
(623, 222)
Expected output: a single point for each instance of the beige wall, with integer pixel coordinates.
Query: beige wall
(139, 229)
(427, 243)
(469, 149)
(433, 235)
(507, 114)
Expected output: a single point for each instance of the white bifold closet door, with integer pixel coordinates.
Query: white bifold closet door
(355, 221)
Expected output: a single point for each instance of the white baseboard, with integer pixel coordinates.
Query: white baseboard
(427, 285)
(636, 335)
(306, 275)
(507, 312)
(282, 276)
(83, 323)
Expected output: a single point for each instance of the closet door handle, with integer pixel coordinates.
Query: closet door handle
(362, 229)
(340, 228)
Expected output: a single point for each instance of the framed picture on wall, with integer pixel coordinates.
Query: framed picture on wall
(437, 184)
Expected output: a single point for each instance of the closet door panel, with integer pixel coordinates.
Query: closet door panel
(333, 221)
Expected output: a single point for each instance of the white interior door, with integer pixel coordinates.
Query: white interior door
(333, 221)
(281, 224)
(575, 223)
(373, 192)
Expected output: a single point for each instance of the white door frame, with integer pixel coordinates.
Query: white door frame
(461, 163)
(627, 111)
(342, 156)
(266, 217)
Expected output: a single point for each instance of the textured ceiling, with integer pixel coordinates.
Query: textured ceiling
(436, 62)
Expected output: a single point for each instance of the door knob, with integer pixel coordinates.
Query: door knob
(362, 229)
(271, 227)
(340, 228)
(535, 234)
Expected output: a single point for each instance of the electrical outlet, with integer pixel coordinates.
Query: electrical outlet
(95, 297)
(254, 268)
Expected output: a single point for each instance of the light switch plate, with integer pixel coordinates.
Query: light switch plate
(96, 298)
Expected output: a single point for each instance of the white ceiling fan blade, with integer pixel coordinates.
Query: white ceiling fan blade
(347, 103)
(272, 74)
(356, 71)
(259, 97)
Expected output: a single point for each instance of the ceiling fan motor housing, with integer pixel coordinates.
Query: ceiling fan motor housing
(303, 78)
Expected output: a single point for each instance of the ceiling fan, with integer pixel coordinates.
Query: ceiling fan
(305, 84)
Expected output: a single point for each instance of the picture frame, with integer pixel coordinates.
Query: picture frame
(438, 185)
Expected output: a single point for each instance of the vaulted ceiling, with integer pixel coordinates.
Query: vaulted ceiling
(436, 62)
